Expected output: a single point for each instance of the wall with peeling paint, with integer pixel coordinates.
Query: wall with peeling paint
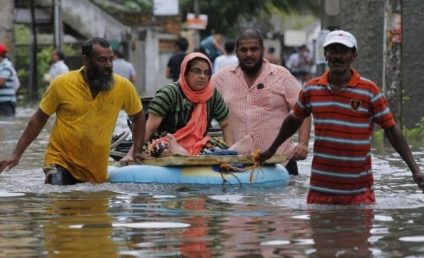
(366, 20)
(413, 62)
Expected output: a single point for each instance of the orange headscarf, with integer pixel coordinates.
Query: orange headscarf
(191, 136)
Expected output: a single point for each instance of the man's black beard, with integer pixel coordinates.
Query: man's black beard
(252, 69)
(98, 80)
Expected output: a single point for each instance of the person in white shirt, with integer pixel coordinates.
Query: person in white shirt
(57, 66)
(226, 60)
(300, 64)
(123, 67)
(7, 84)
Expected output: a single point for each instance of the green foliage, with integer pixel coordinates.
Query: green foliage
(22, 59)
(22, 34)
(43, 60)
(134, 6)
(415, 135)
(227, 17)
(378, 140)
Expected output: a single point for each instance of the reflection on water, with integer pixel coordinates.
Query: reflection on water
(130, 220)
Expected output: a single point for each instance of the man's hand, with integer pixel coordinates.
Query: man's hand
(140, 157)
(8, 163)
(125, 161)
(264, 156)
(419, 179)
(300, 152)
(137, 158)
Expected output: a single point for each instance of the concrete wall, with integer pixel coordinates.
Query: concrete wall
(412, 62)
(144, 51)
(6, 23)
(89, 20)
(366, 19)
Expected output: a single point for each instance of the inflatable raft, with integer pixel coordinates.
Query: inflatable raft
(147, 174)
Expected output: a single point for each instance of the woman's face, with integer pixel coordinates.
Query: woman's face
(198, 75)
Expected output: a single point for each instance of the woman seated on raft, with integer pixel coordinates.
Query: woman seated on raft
(180, 113)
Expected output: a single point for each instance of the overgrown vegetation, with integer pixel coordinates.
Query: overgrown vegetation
(227, 17)
(133, 6)
(415, 135)
(23, 44)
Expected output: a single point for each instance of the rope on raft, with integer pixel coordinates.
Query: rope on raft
(255, 168)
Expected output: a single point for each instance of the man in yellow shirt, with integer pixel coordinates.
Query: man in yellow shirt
(87, 103)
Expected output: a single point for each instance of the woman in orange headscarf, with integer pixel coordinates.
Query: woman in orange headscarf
(180, 114)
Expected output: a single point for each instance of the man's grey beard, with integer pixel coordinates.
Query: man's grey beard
(102, 83)
(98, 80)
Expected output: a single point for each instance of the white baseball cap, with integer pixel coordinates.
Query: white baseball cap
(340, 37)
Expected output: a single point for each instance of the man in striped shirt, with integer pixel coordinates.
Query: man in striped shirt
(7, 84)
(345, 106)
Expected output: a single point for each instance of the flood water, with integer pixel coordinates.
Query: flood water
(134, 220)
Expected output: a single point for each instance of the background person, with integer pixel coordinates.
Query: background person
(86, 103)
(345, 107)
(9, 84)
(123, 67)
(228, 59)
(212, 46)
(174, 63)
(57, 66)
(260, 95)
(300, 64)
(272, 57)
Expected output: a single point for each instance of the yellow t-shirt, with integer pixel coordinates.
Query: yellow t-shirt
(81, 135)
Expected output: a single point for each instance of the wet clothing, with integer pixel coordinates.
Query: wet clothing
(57, 175)
(7, 91)
(171, 104)
(260, 109)
(367, 197)
(343, 125)
(81, 136)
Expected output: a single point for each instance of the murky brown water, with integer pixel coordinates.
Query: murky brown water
(130, 220)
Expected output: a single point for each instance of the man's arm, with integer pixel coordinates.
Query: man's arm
(138, 134)
(6, 73)
(398, 141)
(32, 130)
(288, 128)
(133, 78)
(300, 151)
(2, 82)
(226, 131)
(152, 124)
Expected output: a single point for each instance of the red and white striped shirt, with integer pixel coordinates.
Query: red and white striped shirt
(343, 129)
